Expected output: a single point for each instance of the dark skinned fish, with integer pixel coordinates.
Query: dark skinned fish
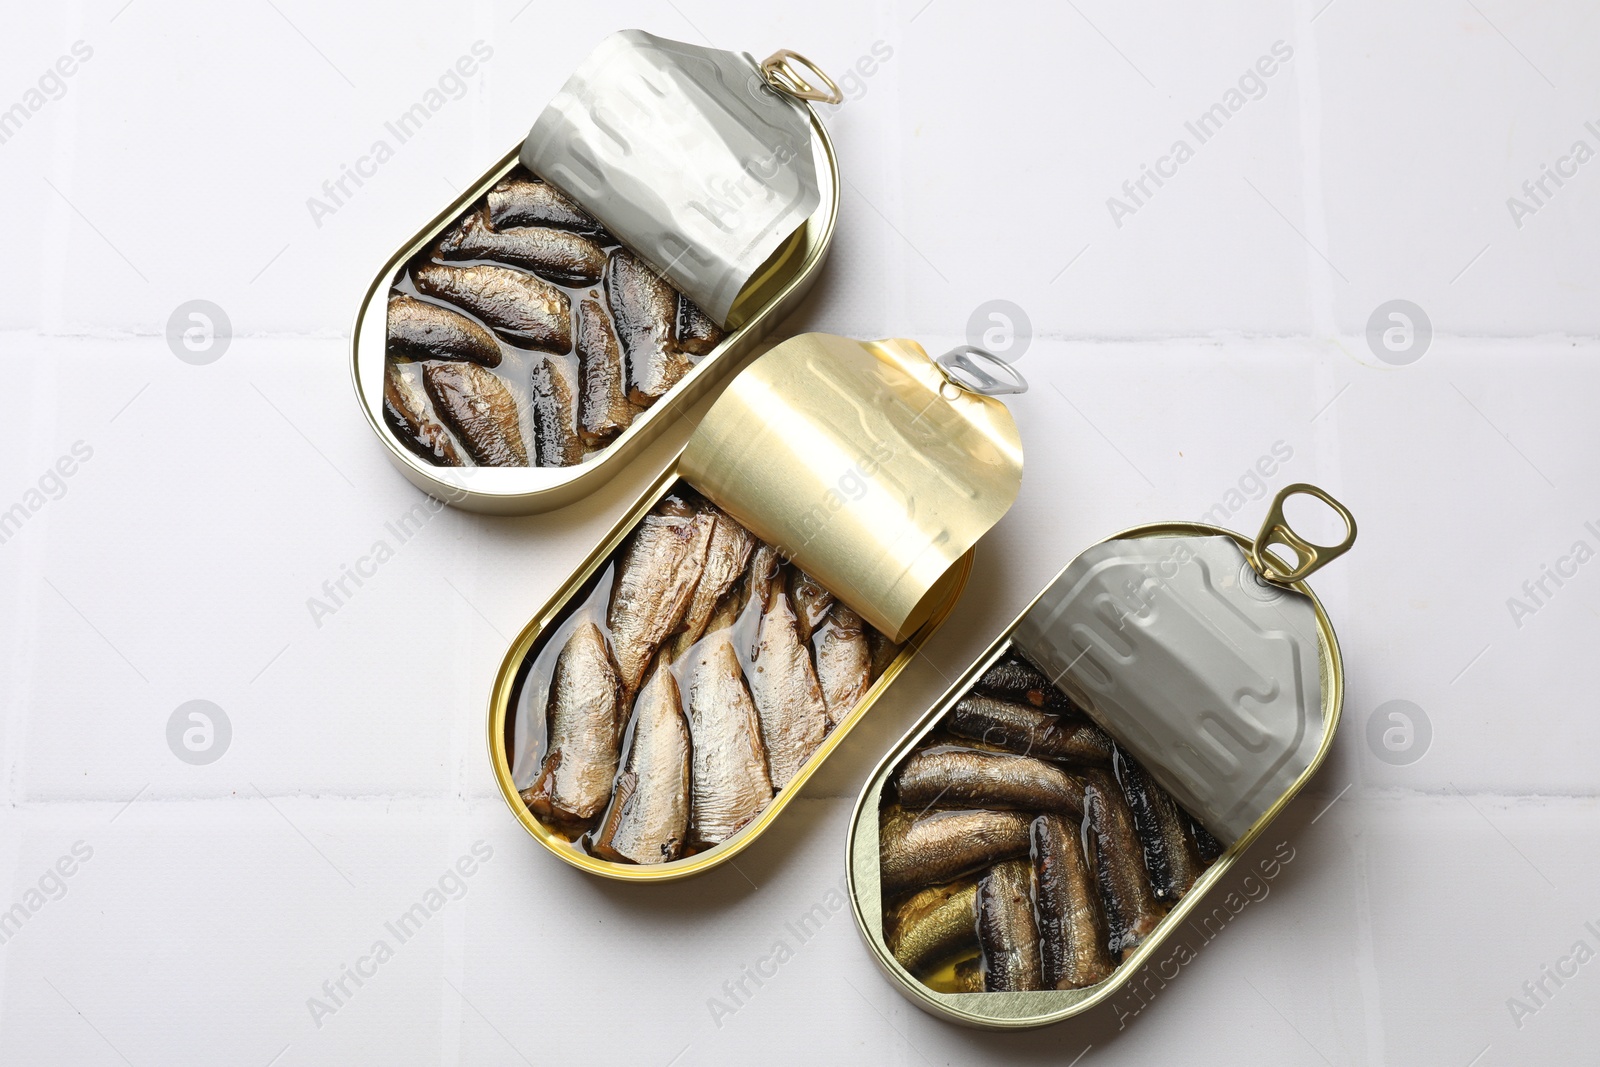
(648, 821)
(522, 201)
(811, 602)
(1074, 938)
(964, 778)
(420, 330)
(1015, 679)
(969, 976)
(555, 414)
(523, 308)
(730, 783)
(883, 651)
(479, 408)
(1209, 847)
(643, 306)
(655, 579)
(410, 416)
(844, 662)
(584, 721)
(1169, 855)
(696, 333)
(933, 926)
(794, 714)
(1024, 729)
(558, 255)
(1006, 929)
(915, 851)
(604, 411)
(727, 556)
(1131, 909)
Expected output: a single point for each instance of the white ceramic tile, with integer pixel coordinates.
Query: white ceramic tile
(1220, 327)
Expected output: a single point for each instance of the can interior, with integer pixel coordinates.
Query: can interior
(517, 706)
(1024, 1009)
(520, 489)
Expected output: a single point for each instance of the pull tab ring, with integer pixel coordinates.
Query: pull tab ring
(1276, 530)
(789, 72)
(978, 370)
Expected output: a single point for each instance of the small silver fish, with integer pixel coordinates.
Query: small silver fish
(654, 581)
(410, 416)
(648, 821)
(794, 714)
(420, 330)
(583, 723)
(523, 308)
(479, 408)
(844, 661)
(730, 785)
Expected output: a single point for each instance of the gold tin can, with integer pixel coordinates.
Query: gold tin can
(772, 293)
(932, 466)
(1020, 1010)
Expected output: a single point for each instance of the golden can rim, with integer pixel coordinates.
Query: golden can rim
(861, 850)
(568, 484)
(500, 709)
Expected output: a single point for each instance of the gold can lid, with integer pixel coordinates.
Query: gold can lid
(865, 463)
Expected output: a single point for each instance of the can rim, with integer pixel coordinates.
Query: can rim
(556, 486)
(505, 686)
(864, 821)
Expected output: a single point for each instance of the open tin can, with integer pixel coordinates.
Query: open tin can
(671, 205)
(1077, 793)
(663, 708)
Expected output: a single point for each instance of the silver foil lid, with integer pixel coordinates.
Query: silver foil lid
(1209, 676)
(686, 154)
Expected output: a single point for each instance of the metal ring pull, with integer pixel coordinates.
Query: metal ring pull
(788, 72)
(980, 371)
(1310, 557)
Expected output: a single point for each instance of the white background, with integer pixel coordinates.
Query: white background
(1167, 354)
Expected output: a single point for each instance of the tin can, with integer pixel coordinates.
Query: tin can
(1215, 675)
(867, 467)
(753, 294)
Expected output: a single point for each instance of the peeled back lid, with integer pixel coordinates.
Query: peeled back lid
(864, 464)
(1211, 675)
(687, 154)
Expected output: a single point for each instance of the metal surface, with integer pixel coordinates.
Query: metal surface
(525, 490)
(688, 154)
(1026, 1010)
(502, 711)
(863, 464)
(1212, 685)
(789, 71)
(981, 371)
(1275, 530)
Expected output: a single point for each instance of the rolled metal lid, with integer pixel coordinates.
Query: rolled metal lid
(864, 463)
(1199, 658)
(689, 155)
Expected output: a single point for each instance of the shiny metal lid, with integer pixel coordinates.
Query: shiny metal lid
(689, 155)
(865, 462)
(1199, 657)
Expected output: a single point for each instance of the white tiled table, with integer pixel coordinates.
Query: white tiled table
(1225, 315)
